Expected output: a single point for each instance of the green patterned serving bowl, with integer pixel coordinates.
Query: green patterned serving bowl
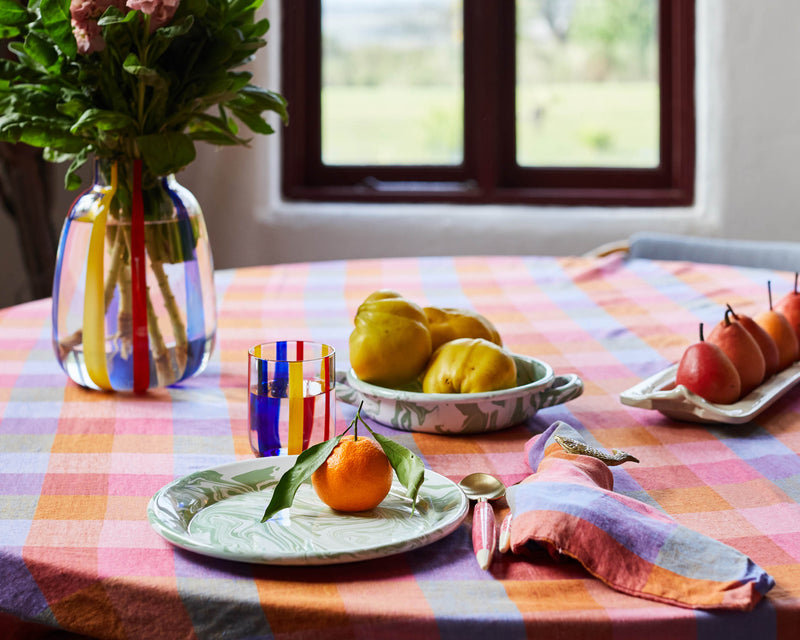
(409, 409)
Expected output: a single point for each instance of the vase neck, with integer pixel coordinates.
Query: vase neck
(156, 193)
(104, 168)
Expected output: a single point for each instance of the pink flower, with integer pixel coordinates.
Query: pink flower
(88, 36)
(160, 11)
(81, 10)
(84, 14)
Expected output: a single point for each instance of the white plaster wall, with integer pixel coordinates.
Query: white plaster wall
(748, 183)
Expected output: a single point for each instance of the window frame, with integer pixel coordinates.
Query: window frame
(489, 173)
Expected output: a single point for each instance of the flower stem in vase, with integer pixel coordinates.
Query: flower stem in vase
(178, 326)
(164, 246)
(114, 268)
(124, 316)
(158, 348)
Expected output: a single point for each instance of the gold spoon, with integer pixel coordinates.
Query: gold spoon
(480, 485)
(483, 487)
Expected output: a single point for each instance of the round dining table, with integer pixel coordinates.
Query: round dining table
(78, 468)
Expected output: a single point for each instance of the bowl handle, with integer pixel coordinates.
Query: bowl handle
(564, 388)
(344, 392)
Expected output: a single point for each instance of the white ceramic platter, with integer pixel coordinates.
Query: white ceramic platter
(410, 409)
(217, 512)
(660, 393)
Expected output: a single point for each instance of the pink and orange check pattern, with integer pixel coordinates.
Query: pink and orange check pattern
(77, 468)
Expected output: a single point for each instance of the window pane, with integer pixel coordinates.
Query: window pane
(587, 83)
(392, 82)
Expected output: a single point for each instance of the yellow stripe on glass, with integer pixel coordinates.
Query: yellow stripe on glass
(94, 334)
(296, 406)
(324, 366)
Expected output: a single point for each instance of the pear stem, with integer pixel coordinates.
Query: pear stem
(701, 332)
(728, 311)
(733, 313)
(769, 293)
(795, 282)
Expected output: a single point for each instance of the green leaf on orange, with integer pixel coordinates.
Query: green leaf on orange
(409, 468)
(406, 464)
(305, 465)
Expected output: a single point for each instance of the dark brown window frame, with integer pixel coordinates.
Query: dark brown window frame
(489, 173)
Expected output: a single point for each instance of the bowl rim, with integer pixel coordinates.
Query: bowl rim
(418, 397)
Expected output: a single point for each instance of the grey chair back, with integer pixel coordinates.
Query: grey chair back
(781, 256)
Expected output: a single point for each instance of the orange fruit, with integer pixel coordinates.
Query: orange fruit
(355, 477)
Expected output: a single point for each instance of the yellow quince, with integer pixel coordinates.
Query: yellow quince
(391, 343)
(447, 324)
(469, 365)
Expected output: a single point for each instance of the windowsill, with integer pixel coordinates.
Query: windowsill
(373, 230)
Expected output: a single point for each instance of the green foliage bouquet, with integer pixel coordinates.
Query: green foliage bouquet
(134, 84)
(135, 79)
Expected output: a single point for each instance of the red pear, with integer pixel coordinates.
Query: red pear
(779, 329)
(767, 345)
(789, 306)
(707, 371)
(742, 350)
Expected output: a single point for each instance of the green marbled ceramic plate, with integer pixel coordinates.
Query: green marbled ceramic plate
(217, 512)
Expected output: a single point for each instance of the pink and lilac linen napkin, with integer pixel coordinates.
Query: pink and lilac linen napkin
(569, 508)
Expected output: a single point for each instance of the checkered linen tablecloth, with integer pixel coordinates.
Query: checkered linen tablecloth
(77, 468)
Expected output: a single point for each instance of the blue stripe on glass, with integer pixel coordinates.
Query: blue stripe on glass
(265, 406)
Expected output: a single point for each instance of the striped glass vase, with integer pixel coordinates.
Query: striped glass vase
(133, 296)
